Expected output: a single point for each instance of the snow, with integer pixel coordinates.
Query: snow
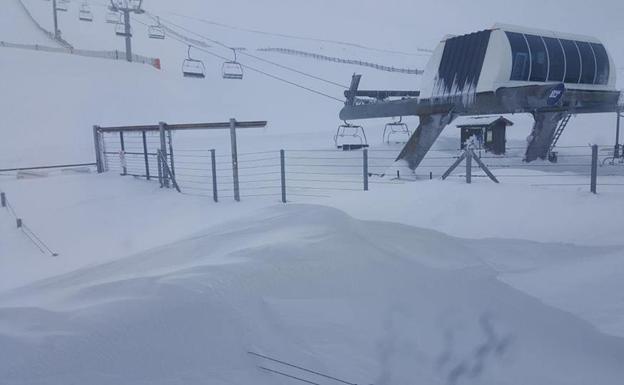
(413, 282)
(331, 292)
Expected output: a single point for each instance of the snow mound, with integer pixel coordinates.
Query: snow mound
(370, 302)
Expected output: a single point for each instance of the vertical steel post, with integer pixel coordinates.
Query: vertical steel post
(163, 151)
(55, 18)
(594, 169)
(234, 159)
(123, 150)
(365, 168)
(215, 190)
(283, 174)
(126, 13)
(145, 155)
(171, 152)
(160, 169)
(98, 149)
(616, 153)
(3, 200)
(468, 166)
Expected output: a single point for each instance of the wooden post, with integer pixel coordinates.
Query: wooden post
(163, 151)
(3, 200)
(215, 192)
(145, 155)
(19, 223)
(98, 149)
(171, 152)
(365, 168)
(594, 169)
(160, 169)
(283, 172)
(468, 166)
(234, 160)
(123, 154)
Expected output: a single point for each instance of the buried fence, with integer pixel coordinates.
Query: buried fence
(31, 235)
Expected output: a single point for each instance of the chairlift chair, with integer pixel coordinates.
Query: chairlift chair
(120, 30)
(350, 137)
(62, 5)
(396, 128)
(85, 13)
(232, 70)
(193, 68)
(113, 17)
(156, 31)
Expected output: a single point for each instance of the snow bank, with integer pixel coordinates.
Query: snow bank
(367, 301)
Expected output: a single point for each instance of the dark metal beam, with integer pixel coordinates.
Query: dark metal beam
(188, 126)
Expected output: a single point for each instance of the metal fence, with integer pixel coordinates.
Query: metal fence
(289, 174)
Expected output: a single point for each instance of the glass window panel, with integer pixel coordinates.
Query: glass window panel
(588, 71)
(520, 56)
(539, 59)
(556, 58)
(602, 64)
(573, 61)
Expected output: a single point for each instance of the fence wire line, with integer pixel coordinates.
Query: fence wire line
(28, 232)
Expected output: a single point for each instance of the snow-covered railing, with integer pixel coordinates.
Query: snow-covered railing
(49, 34)
(288, 51)
(112, 55)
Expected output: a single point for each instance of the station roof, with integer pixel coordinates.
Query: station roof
(481, 121)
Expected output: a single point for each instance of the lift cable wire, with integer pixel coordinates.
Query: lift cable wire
(242, 52)
(275, 77)
(420, 51)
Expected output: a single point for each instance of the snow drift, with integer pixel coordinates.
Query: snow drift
(370, 302)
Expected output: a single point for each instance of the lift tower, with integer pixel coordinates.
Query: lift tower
(126, 7)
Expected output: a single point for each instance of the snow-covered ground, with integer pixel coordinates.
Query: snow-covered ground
(412, 282)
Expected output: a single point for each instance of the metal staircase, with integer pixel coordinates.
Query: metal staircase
(559, 131)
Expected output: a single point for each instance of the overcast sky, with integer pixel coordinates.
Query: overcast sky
(408, 24)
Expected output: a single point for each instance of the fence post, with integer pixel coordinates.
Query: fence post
(163, 151)
(145, 156)
(215, 192)
(98, 149)
(594, 168)
(365, 168)
(2, 199)
(19, 223)
(160, 171)
(234, 160)
(171, 152)
(283, 172)
(468, 166)
(123, 151)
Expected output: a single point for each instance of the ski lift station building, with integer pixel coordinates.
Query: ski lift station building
(503, 70)
(510, 56)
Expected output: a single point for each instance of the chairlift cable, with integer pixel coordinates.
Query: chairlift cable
(275, 77)
(342, 86)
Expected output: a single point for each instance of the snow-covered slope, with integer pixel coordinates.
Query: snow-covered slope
(366, 301)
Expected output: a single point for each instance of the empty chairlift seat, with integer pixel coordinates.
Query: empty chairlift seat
(232, 69)
(62, 5)
(113, 17)
(156, 32)
(120, 30)
(193, 68)
(398, 131)
(350, 137)
(85, 13)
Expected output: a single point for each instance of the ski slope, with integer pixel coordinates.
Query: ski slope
(412, 283)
